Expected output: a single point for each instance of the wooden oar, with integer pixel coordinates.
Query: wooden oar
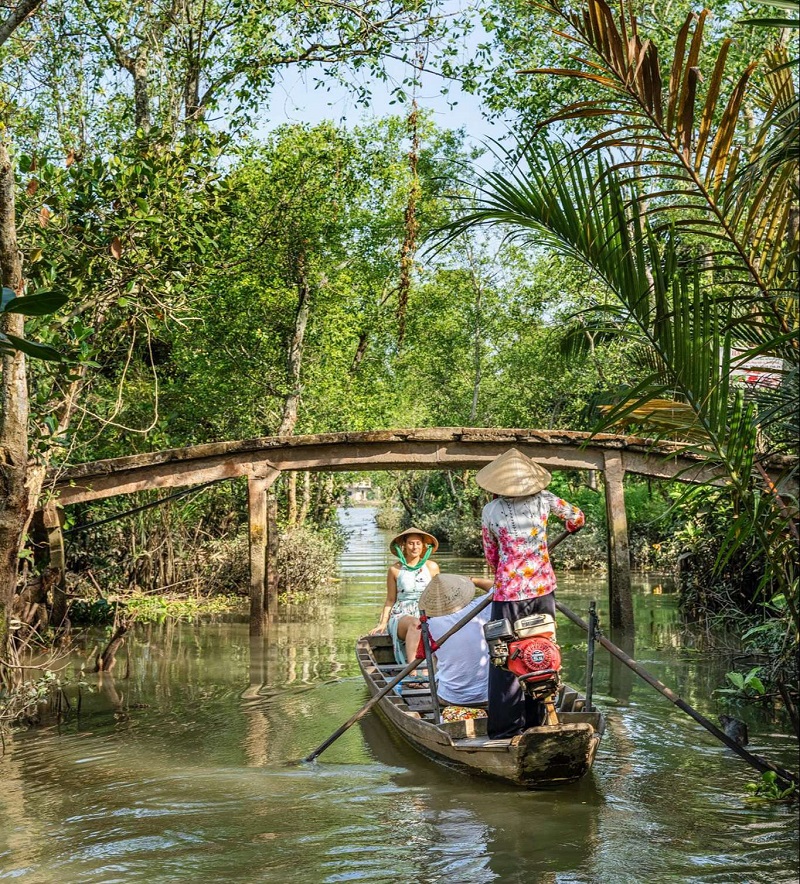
(395, 681)
(756, 761)
(408, 670)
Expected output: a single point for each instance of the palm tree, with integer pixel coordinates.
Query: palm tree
(692, 225)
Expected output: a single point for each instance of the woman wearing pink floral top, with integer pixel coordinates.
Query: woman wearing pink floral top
(514, 527)
(515, 543)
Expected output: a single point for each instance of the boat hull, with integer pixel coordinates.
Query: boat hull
(537, 758)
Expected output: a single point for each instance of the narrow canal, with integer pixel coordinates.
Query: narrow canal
(184, 770)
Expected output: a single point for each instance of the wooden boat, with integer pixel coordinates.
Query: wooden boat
(541, 756)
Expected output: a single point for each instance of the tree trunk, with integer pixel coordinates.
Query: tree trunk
(15, 509)
(291, 498)
(141, 90)
(305, 501)
(192, 112)
(294, 359)
(361, 350)
(106, 661)
(57, 564)
(16, 17)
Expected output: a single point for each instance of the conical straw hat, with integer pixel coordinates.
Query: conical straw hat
(425, 535)
(446, 594)
(513, 474)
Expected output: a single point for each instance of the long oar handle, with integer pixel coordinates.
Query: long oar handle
(756, 761)
(395, 681)
(409, 669)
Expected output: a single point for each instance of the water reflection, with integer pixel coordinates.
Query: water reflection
(475, 825)
(620, 676)
(187, 768)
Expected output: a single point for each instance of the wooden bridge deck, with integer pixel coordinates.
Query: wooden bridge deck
(262, 461)
(431, 448)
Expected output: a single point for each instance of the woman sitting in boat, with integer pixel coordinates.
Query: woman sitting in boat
(404, 584)
(514, 527)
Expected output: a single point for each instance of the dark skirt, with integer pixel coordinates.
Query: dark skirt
(511, 709)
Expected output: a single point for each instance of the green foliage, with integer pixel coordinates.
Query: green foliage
(306, 562)
(193, 544)
(121, 237)
(23, 701)
(113, 69)
(522, 36)
(39, 304)
(745, 686)
(157, 609)
(191, 261)
(701, 256)
(99, 612)
(709, 584)
(770, 788)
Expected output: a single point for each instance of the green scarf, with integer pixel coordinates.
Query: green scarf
(420, 563)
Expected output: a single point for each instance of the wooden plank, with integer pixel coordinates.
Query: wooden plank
(273, 541)
(568, 698)
(53, 520)
(420, 448)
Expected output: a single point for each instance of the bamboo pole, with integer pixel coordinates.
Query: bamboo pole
(756, 761)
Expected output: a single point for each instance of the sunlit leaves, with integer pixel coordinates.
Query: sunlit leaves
(686, 158)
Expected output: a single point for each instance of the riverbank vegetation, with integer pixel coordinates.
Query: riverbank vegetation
(224, 279)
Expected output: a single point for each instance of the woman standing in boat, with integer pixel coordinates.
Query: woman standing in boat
(404, 584)
(514, 527)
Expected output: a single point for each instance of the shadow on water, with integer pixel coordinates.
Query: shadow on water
(178, 772)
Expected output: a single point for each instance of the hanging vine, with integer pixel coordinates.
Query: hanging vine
(411, 225)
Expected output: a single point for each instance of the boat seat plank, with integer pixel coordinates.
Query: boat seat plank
(482, 742)
(568, 698)
(418, 703)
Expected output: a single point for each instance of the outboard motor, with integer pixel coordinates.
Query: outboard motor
(528, 649)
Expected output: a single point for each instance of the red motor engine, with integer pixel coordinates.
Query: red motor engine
(537, 656)
(528, 650)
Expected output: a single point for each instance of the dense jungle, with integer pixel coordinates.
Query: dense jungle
(615, 249)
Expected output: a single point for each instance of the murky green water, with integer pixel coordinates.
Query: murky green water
(181, 771)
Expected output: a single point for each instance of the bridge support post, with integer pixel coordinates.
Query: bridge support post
(619, 561)
(262, 541)
(52, 517)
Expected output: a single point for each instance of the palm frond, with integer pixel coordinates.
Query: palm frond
(695, 142)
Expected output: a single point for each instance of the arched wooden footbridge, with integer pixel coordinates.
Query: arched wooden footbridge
(439, 448)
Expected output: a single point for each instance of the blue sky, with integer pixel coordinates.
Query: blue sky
(295, 99)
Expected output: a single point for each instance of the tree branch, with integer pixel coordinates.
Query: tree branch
(18, 15)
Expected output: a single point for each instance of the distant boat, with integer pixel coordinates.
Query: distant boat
(541, 756)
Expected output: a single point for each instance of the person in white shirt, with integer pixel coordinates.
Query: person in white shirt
(462, 663)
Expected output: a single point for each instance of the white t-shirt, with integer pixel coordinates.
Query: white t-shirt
(462, 674)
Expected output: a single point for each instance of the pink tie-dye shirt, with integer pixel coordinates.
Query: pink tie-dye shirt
(515, 543)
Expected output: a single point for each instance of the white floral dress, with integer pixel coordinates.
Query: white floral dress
(409, 588)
